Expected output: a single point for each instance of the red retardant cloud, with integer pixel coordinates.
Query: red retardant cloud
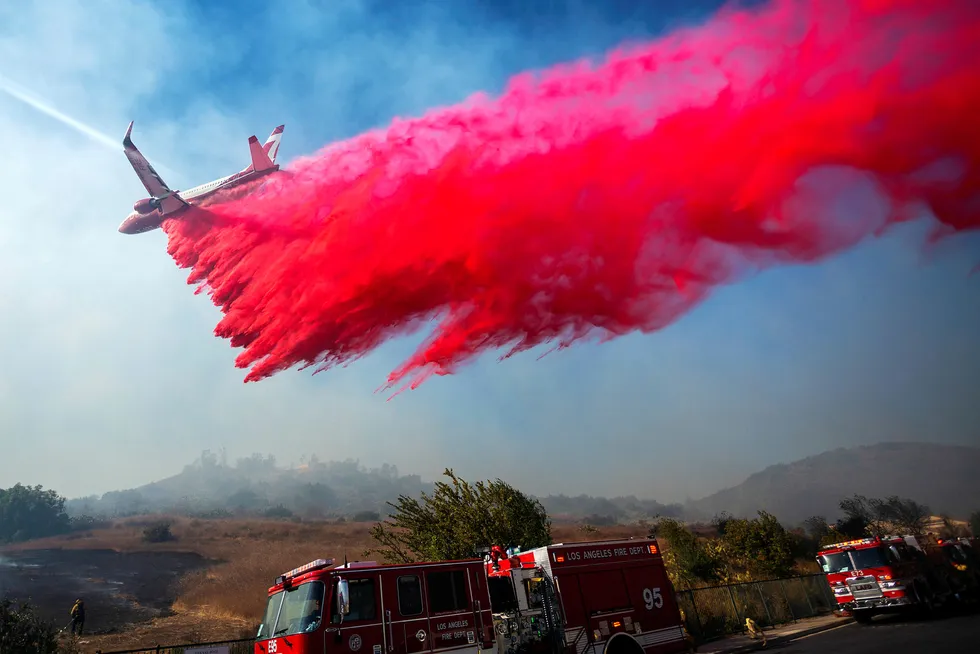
(594, 200)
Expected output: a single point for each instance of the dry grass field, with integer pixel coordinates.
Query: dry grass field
(226, 599)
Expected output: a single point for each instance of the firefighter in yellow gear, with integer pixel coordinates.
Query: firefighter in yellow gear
(78, 616)
(755, 631)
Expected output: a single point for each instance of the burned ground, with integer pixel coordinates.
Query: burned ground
(119, 588)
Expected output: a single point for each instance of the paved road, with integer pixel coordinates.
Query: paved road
(893, 635)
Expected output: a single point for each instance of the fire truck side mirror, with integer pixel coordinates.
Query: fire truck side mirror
(343, 598)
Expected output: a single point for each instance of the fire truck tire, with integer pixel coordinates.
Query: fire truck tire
(863, 616)
(925, 602)
(622, 644)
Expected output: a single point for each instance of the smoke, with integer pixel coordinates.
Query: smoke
(20, 93)
(592, 201)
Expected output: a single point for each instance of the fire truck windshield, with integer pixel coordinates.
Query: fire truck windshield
(836, 562)
(293, 611)
(872, 557)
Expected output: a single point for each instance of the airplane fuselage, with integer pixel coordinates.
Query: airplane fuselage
(164, 203)
(137, 222)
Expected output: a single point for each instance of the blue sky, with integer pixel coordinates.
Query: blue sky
(111, 376)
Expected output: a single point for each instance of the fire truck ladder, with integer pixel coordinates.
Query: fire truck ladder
(553, 619)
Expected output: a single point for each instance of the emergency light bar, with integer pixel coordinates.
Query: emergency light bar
(312, 565)
(849, 543)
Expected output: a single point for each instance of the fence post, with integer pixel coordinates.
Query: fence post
(789, 605)
(764, 605)
(806, 594)
(738, 617)
(697, 615)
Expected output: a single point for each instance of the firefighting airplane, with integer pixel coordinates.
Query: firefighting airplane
(164, 203)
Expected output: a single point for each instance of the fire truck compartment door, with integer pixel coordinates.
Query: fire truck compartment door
(361, 631)
(406, 613)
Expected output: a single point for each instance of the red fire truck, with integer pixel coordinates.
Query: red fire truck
(605, 597)
(895, 573)
(964, 555)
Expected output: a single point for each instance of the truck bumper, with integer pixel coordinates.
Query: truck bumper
(878, 603)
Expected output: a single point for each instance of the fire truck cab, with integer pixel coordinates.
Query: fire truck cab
(610, 597)
(895, 573)
(963, 555)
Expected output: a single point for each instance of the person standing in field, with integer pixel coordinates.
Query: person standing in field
(78, 616)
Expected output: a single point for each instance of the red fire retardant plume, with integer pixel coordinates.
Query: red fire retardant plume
(594, 200)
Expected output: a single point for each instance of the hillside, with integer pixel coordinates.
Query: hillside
(944, 477)
(256, 486)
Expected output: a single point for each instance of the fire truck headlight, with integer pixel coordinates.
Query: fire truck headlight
(841, 590)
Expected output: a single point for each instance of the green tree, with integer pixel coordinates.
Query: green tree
(22, 631)
(761, 546)
(457, 519)
(28, 512)
(690, 563)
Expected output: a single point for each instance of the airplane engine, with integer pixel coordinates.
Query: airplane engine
(146, 205)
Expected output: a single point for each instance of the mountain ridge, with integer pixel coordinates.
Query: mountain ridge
(944, 477)
(941, 476)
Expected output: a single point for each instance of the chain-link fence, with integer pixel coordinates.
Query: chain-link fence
(719, 610)
(238, 646)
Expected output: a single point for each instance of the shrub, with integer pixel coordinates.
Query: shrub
(278, 511)
(158, 533)
(22, 631)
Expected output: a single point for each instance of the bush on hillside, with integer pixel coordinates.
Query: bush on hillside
(28, 512)
(278, 511)
(761, 547)
(158, 532)
(690, 562)
(23, 631)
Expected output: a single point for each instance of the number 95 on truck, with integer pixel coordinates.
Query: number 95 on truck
(603, 597)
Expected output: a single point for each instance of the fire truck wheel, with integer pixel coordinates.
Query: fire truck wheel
(925, 602)
(863, 616)
(622, 644)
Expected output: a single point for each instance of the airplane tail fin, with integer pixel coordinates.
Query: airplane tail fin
(271, 145)
(260, 160)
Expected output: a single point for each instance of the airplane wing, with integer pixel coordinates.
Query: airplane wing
(151, 179)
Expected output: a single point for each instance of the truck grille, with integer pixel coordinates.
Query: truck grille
(864, 588)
